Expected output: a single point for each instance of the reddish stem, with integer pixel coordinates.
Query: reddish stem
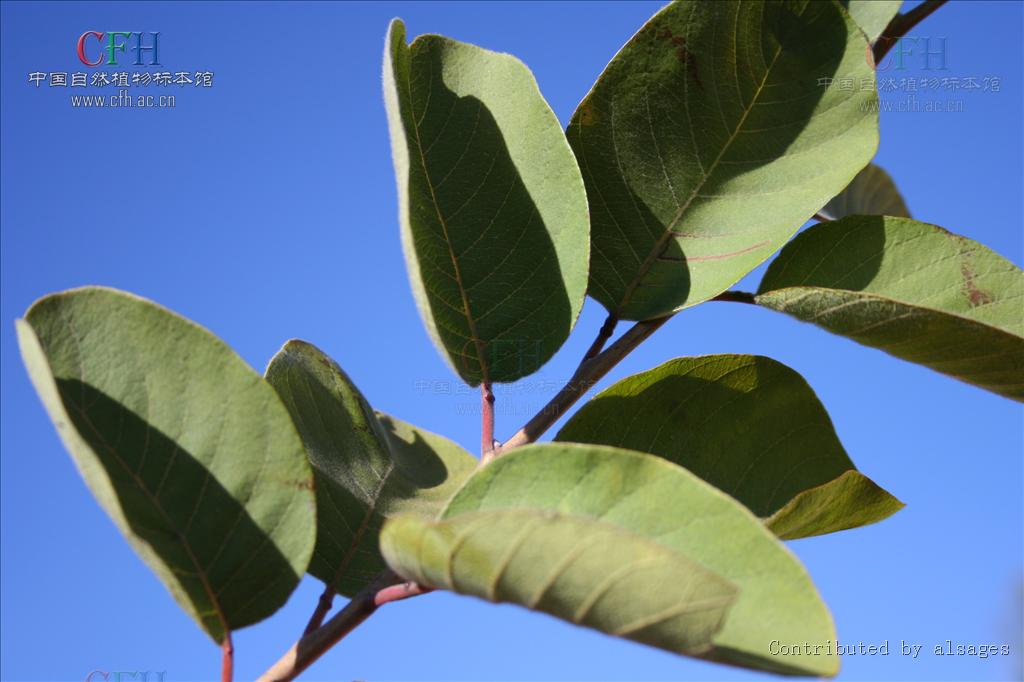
(589, 372)
(399, 592)
(487, 426)
(227, 661)
(385, 589)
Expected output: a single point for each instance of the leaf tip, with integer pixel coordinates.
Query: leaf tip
(396, 31)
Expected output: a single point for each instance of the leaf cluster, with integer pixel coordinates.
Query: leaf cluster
(659, 511)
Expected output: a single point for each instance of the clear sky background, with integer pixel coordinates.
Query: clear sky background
(264, 208)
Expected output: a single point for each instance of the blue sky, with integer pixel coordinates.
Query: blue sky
(264, 208)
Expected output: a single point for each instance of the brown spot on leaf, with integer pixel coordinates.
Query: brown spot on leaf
(976, 296)
(685, 57)
(587, 114)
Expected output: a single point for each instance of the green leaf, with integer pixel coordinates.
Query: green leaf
(710, 139)
(911, 289)
(367, 466)
(872, 15)
(848, 501)
(575, 568)
(186, 448)
(872, 192)
(662, 502)
(491, 203)
(747, 425)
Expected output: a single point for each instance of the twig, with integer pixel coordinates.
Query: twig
(821, 217)
(590, 371)
(901, 25)
(603, 335)
(736, 297)
(227, 660)
(387, 587)
(323, 607)
(487, 425)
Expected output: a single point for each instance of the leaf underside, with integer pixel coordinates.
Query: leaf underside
(367, 466)
(747, 425)
(872, 192)
(575, 568)
(911, 289)
(872, 15)
(492, 208)
(186, 448)
(658, 502)
(710, 139)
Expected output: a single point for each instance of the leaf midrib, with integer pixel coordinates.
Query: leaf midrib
(663, 241)
(372, 499)
(887, 299)
(471, 323)
(357, 536)
(185, 543)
